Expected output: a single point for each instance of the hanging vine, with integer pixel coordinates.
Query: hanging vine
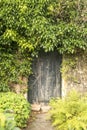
(28, 26)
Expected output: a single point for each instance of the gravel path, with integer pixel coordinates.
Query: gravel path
(41, 122)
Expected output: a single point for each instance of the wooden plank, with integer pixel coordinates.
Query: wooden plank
(45, 82)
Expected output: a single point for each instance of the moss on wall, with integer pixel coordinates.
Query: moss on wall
(74, 72)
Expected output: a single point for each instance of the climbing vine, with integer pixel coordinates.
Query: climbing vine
(72, 65)
(69, 65)
(28, 26)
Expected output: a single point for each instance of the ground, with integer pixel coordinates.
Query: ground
(40, 122)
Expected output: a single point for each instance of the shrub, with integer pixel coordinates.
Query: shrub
(17, 104)
(69, 113)
(7, 122)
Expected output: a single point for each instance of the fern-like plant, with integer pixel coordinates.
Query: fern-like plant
(69, 113)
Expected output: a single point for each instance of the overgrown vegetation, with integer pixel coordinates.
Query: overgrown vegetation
(70, 113)
(7, 122)
(68, 65)
(16, 104)
(28, 26)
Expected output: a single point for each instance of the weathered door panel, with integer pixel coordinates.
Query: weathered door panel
(45, 82)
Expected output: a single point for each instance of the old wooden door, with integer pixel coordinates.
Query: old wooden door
(45, 82)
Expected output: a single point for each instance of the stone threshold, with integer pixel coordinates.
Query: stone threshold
(40, 107)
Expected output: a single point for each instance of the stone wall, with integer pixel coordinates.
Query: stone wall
(74, 73)
(21, 87)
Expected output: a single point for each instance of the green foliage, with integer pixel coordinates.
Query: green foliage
(69, 65)
(32, 25)
(13, 66)
(29, 26)
(7, 122)
(70, 113)
(18, 105)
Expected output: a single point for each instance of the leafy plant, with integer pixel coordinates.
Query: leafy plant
(28, 26)
(7, 122)
(13, 66)
(69, 113)
(18, 105)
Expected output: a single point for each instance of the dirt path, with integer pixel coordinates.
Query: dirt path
(41, 122)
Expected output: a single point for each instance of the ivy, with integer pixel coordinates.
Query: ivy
(28, 26)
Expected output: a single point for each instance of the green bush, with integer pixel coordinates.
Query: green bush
(7, 122)
(29, 26)
(18, 105)
(69, 113)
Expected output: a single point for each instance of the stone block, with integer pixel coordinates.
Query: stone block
(45, 108)
(35, 107)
